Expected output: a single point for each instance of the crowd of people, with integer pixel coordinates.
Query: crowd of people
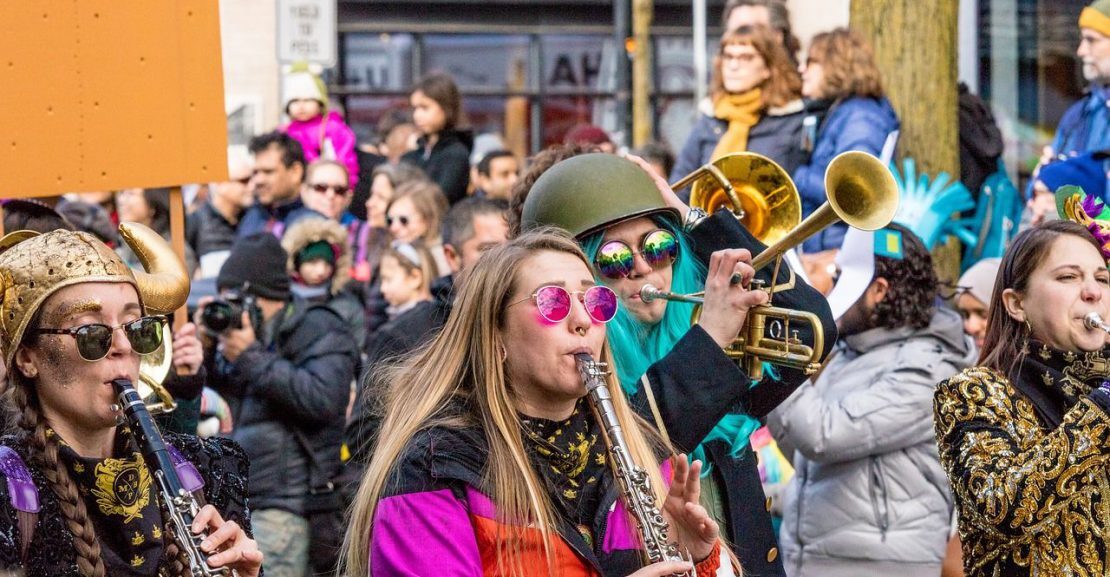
(389, 364)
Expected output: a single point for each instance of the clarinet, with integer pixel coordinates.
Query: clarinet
(635, 484)
(178, 501)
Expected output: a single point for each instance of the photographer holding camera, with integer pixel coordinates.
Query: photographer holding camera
(285, 366)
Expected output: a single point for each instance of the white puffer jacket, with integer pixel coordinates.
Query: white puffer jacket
(870, 497)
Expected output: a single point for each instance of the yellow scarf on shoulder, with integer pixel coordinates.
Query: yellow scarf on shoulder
(741, 111)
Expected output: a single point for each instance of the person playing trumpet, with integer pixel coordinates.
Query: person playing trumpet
(636, 232)
(1025, 436)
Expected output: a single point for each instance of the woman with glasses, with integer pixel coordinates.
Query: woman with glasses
(79, 498)
(847, 109)
(489, 459)
(643, 234)
(755, 104)
(416, 212)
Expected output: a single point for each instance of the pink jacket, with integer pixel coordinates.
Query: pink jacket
(308, 133)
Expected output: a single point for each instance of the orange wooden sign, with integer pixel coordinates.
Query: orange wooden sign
(109, 94)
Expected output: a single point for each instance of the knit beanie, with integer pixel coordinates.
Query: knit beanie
(1087, 171)
(589, 134)
(256, 262)
(1096, 17)
(320, 249)
(979, 279)
(301, 83)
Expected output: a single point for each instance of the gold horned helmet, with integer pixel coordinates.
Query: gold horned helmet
(34, 266)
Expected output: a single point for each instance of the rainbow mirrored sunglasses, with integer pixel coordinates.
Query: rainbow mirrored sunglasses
(615, 259)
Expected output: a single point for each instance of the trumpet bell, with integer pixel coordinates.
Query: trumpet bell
(754, 187)
(153, 370)
(862, 190)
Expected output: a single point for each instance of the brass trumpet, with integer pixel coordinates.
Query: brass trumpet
(863, 194)
(753, 345)
(756, 189)
(153, 370)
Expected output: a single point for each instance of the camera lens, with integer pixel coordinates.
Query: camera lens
(217, 316)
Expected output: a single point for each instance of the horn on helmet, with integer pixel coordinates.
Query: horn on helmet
(164, 286)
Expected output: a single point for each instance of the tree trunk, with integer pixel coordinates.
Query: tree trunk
(915, 45)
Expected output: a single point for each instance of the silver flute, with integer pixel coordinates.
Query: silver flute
(635, 484)
(179, 503)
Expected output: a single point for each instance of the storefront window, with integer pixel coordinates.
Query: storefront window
(485, 62)
(1029, 71)
(377, 61)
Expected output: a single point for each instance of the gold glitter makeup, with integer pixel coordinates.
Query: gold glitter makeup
(71, 309)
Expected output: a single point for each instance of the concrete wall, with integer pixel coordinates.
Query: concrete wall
(809, 17)
(248, 29)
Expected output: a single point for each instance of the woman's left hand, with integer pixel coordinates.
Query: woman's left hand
(188, 354)
(236, 551)
(693, 529)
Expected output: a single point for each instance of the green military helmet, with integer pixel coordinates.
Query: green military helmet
(585, 194)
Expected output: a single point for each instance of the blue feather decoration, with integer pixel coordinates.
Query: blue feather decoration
(928, 208)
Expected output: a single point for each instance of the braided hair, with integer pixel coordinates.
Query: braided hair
(44, 457)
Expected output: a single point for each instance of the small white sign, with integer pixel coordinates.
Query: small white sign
(307, 31)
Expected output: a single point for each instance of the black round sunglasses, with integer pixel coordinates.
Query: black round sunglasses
(94, 340)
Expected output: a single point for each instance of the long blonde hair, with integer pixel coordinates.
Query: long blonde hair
(462, 367)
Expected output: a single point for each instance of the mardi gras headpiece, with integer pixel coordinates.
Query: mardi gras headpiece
(34, 266)
(1088, 210)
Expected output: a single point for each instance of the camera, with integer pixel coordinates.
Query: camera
(226, 312)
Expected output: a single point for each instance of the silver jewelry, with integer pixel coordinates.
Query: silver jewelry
(693, 218)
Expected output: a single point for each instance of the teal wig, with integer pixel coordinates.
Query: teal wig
(637, 346)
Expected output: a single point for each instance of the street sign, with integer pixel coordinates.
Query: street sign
(307, 32)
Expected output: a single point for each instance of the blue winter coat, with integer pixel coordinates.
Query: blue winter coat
(1085, 127)
(777, 135)
(852, 124)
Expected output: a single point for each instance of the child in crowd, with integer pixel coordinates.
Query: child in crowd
(443, 150)
(321, 132)
(407, 271)
(319, 267)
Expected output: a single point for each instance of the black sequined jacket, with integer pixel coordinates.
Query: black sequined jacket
(221, 462)
(1027, 459)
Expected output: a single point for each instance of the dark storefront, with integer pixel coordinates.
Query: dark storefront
(529, 70)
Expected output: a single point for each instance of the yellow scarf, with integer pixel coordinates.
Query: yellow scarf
(741, 111)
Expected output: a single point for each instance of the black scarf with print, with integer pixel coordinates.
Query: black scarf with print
(121, 497)
(1055, 380)
(571, 458)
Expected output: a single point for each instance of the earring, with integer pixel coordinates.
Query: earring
(504, 354)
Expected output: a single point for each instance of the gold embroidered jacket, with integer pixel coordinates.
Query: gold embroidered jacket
(1032, 498)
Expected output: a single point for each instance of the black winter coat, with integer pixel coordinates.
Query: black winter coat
(777, 136)
(980, 141)
(395, 338)
(299, 384)
(221, 463)
(675, 383)
(447, 163)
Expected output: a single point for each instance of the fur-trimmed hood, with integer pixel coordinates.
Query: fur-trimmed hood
(309, 230)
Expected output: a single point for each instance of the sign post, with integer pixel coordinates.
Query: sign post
(307, 32)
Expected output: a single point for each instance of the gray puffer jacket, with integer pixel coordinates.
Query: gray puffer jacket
(869, 496)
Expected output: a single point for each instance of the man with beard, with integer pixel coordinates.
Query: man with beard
(869, 496)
